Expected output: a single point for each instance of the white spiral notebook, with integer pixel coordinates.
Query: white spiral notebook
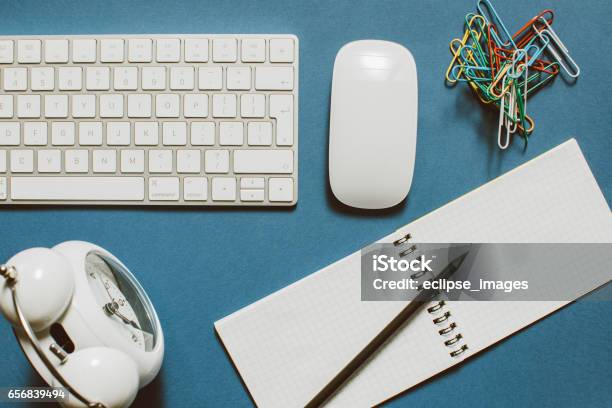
(290, 344)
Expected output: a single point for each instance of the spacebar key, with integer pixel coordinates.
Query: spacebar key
(78, 188)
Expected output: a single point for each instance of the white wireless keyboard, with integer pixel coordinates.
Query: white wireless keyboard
(149, 120)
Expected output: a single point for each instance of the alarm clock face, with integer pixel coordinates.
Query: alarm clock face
(122, 300)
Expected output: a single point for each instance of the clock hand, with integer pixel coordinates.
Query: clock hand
(128, 321)
(113, 308)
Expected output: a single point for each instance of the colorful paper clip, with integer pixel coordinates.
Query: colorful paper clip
(504, 69)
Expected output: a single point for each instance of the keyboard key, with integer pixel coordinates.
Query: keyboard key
(28, 106)
(224, 106)
(22, 161)
(253, 50)
(42, 79)
(280, 189)
(195, 189)
(76, 161)
(70, 78)
(104, 161)
(210, 78)
(111, 50)
(195, 105)
(3, 188)
(10, 133)
(251, 195)
(139, 105)
(224, 189)
(6, 106)
(216, 161)
(153, 78)
(174, 133)
(83, 50)
(118, 133)
(56, 51)
(56, 106)
(252, 105)
(97, 78)
(160, 161)
(281, 109)
(167, 105)
(62, 133)
(132, 161)
(49, 161)
(78, 188)
(202, 133)
(15, 79)
(259, 133)
(239, 78)
(83, 106)
(125, 78)
(188, 161)
(273, 78)
(196, 50)
(231, 133)
(168, 50)
(146, 133)
(2, 161)
(251, 183)
(263, 161)
(111, 105)
(35, 133)
(163, 188)
(140, 50)
(90, 133)
(28, 51)
(182, 78)
(281, 50)
(6, 52)
(225, 50)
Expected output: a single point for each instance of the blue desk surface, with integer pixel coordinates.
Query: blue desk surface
(200, 265)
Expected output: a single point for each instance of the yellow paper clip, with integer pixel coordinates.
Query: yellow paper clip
(456, 53)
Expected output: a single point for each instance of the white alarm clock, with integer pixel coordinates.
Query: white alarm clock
(83, 321)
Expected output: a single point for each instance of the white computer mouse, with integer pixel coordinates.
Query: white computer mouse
(373, 124)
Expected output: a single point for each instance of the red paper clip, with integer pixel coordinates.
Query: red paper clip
(526, 33)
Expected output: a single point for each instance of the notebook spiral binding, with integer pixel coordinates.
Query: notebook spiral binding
(442, 317)
(448, 331)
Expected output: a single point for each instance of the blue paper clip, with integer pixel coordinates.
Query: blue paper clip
(497, 22)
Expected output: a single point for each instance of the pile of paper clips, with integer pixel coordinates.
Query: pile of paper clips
(503, 69)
